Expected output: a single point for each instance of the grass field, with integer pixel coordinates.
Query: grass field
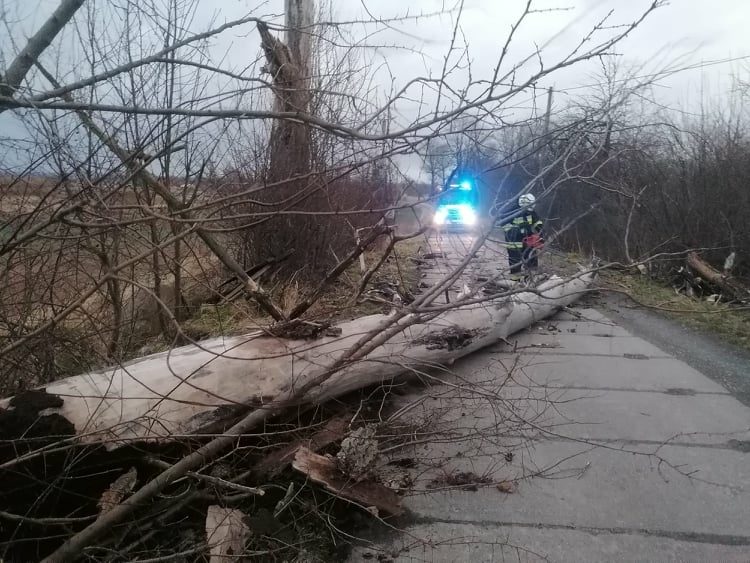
(730, 322)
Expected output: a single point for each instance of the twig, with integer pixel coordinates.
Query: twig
(211, 479)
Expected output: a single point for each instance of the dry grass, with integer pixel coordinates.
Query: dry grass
(240, 317)
(227, 319)
(399, 268)
(562, 264)
(48, 274)
(730, 322)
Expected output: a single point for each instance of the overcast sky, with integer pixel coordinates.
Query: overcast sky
(683, 33)
(699, 29)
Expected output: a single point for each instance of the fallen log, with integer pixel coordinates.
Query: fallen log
(360, 358)
(722, 281)
(204, 388)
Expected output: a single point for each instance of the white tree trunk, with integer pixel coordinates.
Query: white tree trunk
(196, 388)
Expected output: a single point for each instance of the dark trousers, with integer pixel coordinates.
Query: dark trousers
(517, 257)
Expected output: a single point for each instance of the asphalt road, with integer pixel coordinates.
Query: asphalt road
(587, 437)
(726, 364)
(721, 361)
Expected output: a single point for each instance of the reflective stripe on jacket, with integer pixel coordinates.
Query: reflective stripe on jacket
(518, 228)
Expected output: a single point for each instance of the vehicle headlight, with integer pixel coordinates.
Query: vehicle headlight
(439, 218)
(468, 216)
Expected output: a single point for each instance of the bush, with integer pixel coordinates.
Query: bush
(661, 195)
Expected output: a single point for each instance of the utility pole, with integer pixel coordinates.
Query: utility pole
(550, 93)
(541, 141)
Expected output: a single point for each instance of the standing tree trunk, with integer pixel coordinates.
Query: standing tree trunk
(289, 66)
(290, 153)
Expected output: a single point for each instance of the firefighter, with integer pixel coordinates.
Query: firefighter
(523, 236)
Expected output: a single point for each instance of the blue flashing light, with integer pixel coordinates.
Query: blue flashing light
(465, 185)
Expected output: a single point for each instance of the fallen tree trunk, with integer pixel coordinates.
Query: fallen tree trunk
(721, 281)
(204, 388)
(360, 358)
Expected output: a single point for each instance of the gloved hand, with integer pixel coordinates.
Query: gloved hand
(534, 241)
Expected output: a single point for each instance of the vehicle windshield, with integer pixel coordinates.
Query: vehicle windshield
(457, 197)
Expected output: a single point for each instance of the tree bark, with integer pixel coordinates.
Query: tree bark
(324, 471)
(321, 384)
(289, 66)
(226, 533)
(202, 389)
(289, 151)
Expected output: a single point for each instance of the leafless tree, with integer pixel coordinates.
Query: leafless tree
(150, 187)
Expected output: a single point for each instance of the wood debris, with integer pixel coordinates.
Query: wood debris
(721, 281)
(433, 255)
(226, 533)
(304, 330)
(273, 464)
(324, 471)
(507, 487)
(451, 338)
(464, 480)
(117, 491)
(359, 451)
(232, 288)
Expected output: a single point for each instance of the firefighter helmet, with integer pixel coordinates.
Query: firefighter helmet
(526, 200)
